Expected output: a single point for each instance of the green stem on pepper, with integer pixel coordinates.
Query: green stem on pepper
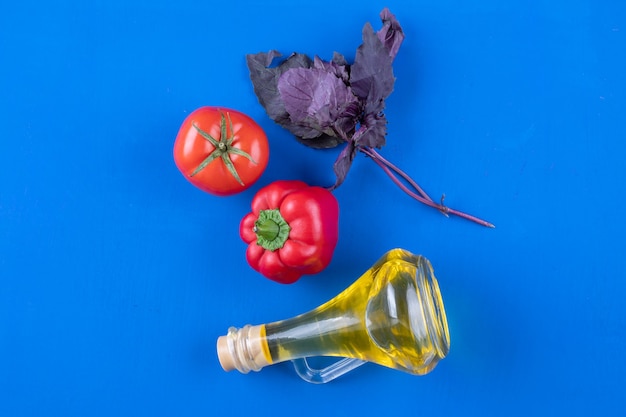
(271, 229)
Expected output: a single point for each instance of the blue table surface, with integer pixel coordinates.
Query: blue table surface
(117, 275)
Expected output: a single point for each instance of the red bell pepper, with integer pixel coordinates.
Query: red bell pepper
(292, 230)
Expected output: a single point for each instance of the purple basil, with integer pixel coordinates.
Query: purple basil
(391, 34)
(316, 98)
(327, 103)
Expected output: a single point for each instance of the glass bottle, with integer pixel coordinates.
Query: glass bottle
(393, 315)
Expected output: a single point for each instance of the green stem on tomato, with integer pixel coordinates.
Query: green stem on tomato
(223, 148)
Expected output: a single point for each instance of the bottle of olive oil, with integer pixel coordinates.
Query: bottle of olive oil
(393, 315)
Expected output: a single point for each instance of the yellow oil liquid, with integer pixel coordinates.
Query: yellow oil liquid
(392, 315)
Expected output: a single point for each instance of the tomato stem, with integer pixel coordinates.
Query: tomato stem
(223, 148)
(420, 195)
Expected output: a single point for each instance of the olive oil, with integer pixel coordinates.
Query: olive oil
(393, 315)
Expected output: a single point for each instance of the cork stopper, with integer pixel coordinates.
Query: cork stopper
(243, 349)
(224, 355)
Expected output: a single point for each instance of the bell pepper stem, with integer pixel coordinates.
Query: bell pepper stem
(268, 229)
(271, 230)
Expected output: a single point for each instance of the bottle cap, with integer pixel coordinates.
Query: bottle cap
(243, 349)
(223, 354)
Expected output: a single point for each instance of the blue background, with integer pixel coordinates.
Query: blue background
(117, 276)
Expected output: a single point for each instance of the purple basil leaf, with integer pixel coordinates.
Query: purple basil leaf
(346, 121)
(343, 163)
(339, 59)
(315, 98)
(337, 66)
(265, 81)
(372, 131)
(265, 78)
(307, 92)
(322, 141)
(391, 34)
(372, 69)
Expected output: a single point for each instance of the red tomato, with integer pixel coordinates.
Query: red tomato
(221, 151)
